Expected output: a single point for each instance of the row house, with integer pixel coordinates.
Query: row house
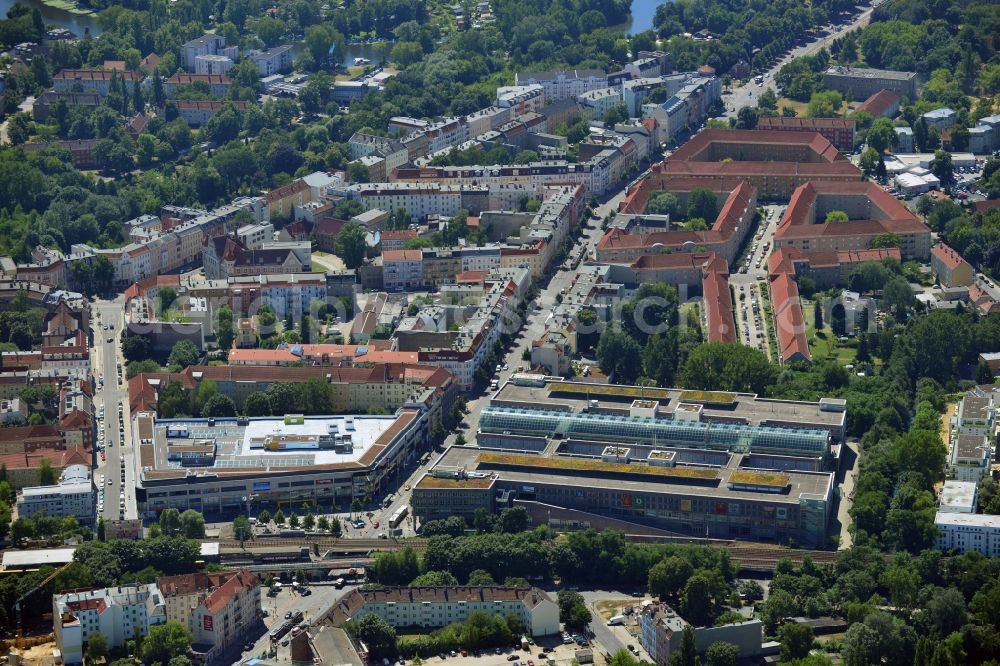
(218, 84)
(91, 80)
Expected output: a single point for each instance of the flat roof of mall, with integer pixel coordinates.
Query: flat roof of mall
(234, 451)
(724, 406)
(583, 472)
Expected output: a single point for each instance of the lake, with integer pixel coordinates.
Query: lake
(57, 18)
(642, 16)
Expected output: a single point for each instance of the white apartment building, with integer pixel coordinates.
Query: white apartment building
(601, 100)
(73, 497)
(973, 429)
(212, 64)
(119, 613)
(272, 61)
(968, 531)
(206, 45)
(563, 84)
(431, 607)
(219, 609)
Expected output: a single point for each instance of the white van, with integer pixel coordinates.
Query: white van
(616, 621)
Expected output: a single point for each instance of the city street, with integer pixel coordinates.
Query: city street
(540, 310)
(110, 395)
(748, 93)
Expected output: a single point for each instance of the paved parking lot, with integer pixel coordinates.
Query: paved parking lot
(562, 654)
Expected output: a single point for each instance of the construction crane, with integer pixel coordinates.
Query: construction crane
(17, 604)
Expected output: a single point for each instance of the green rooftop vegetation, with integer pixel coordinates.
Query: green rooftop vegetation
(435, 482)
(753, 478)
(708, 397)
(582, 465)
(610, 390)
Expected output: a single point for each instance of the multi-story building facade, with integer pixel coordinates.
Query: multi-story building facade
(218, 84)
(839, 131)
(861, 83)
(562, 84)
(92, 80)
(432, 607)
(273, 61)
(206, 45)
(71, 497)
(219, 609)
(949, 266)
(119, 613)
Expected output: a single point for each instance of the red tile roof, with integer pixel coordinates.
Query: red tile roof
(789, 322)
(947, 255)
(718, 301)
(879, 103)
(889, 215)
(402, 255)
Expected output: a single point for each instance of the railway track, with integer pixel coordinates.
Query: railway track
(327, 543)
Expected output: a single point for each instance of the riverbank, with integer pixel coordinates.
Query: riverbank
(68, 6)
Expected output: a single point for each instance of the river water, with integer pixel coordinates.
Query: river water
(57, 18)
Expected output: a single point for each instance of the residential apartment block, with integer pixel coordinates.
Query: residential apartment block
(206, 45)
(839, 131)
(218, 84)
(871, 212)
(219, 609)
(119, 613)
(561, 84)
(91, 80)
(71, 497)
(433, 607)
(950, 268)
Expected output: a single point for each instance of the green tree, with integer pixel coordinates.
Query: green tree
(481, 577)
(668, 576)
(836, 216)
(619, 355)
(818, 314)
(434, 579)
(192, 524)
(309, 521)
(350, 245)
(242, 529)
(703, 203)
(824, 104)
(687, 653)
(225, 331)
(870, 160)
(377, 634)
(257, 404)
(663, 203)
(796, 640)
(941, 166)
(727, 367)
(698, 598)
(182, 355)
(219, 405)
(279, 517)
(97, 647)
(721, 653)
(881, 135)
(166, 641)
(405, 54)
(46, 475)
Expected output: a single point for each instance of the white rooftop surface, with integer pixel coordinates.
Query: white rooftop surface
(967, 519)
(958, 495)
(19, 559)
(366, 430)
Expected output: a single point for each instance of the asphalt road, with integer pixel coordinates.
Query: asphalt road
(538, 314)
(748, 93)
(110, 395)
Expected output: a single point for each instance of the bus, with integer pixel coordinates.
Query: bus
(398, 516)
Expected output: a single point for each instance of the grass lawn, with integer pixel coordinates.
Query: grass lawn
(823, 343)
(608, 608)
(800, 107)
